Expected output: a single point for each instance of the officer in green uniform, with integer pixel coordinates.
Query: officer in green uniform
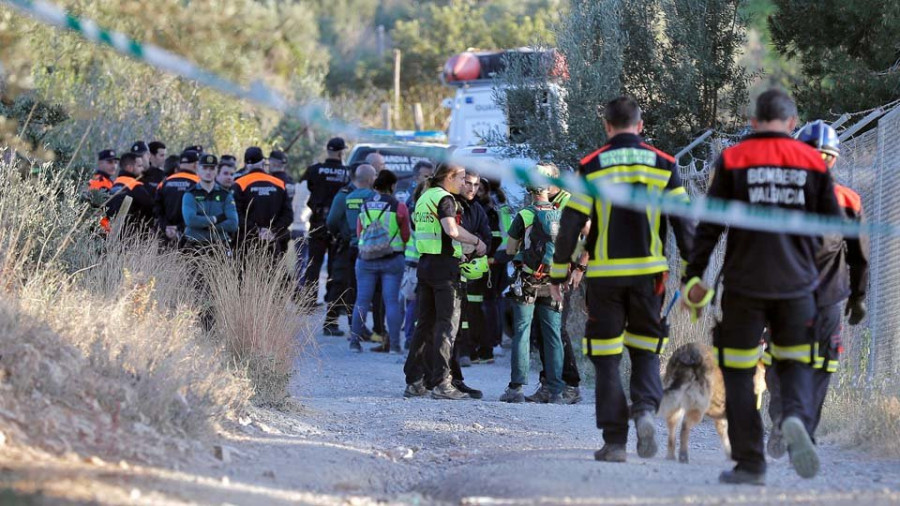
(531, 238)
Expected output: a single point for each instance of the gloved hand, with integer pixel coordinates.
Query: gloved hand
(696, 296)
(855, 310)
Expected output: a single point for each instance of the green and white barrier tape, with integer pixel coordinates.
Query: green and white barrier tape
(768, 219)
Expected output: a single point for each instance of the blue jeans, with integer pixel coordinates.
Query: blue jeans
(550, 321)
(368, 272)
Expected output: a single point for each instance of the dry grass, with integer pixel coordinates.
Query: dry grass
(258, 316)
(867, 419)
(101, 350)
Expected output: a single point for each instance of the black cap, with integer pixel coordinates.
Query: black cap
(253, 155)
(278, 155)
(228, 160)
(198, 149)
(107, 154)
(336, 144)
(189, 156)
(139, 148)
(209, 159)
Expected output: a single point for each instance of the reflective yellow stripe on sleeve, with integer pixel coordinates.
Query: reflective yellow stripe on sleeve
(475, 298)
(767, 358)
(602, 347)
(801, 353)
(559, 270)
(645, 342)
(678, 193)
(581, 203)
(598, 268)
(737, 358)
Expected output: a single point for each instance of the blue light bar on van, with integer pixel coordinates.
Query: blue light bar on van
(408, 135)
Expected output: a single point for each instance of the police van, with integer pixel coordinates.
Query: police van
(400, 158)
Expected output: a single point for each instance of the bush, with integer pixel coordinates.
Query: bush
(100, 337)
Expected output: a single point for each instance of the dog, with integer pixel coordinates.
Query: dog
(693, 386)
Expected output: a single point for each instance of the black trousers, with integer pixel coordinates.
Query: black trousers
(340, 293)
(437, 322)
(828, 334)
(473, 340)
(790, 322)
(493, 305)
(570, 374)
(378, 311)
(318, 244)
(622, 317)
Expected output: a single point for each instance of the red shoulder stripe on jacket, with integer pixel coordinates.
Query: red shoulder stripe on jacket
(588, 158)
(848, 198)
(773, 152)
(659, 152)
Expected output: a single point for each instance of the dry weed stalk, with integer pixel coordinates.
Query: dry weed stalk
(259, 316)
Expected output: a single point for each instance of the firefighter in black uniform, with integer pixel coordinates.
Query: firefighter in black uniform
(324, 181)
(170, 193)
(264, 209)
(843, 272)
(129, 183)
(625, 276)
(768, 278)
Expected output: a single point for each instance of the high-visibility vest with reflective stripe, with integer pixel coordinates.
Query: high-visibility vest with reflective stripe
(384, 209)
(429, 232)
(561, 199)
(506, 218)
(411, 253)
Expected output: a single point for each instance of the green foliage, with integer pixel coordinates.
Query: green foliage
(119, 100)
(848, 52)
(676, 57)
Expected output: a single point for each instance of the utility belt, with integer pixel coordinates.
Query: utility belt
(530, 289)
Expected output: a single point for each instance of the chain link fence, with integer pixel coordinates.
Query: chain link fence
(870, 165)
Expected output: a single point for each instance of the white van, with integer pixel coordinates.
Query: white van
(475, 115)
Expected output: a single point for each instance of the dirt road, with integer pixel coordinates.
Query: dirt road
(355, 440)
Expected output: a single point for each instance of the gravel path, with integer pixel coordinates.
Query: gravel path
(356, 435)
(353, 439)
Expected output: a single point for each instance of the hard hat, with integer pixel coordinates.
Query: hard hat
(475, 269)
(821, 136)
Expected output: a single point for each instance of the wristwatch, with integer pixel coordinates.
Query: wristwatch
(580, 267)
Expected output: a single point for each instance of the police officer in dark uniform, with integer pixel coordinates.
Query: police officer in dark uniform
(324, 181)
(170, 193)
(129, 183)
(769, 278)
(154, 173)
(626, 274)
(263, 206)
(278, 165)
